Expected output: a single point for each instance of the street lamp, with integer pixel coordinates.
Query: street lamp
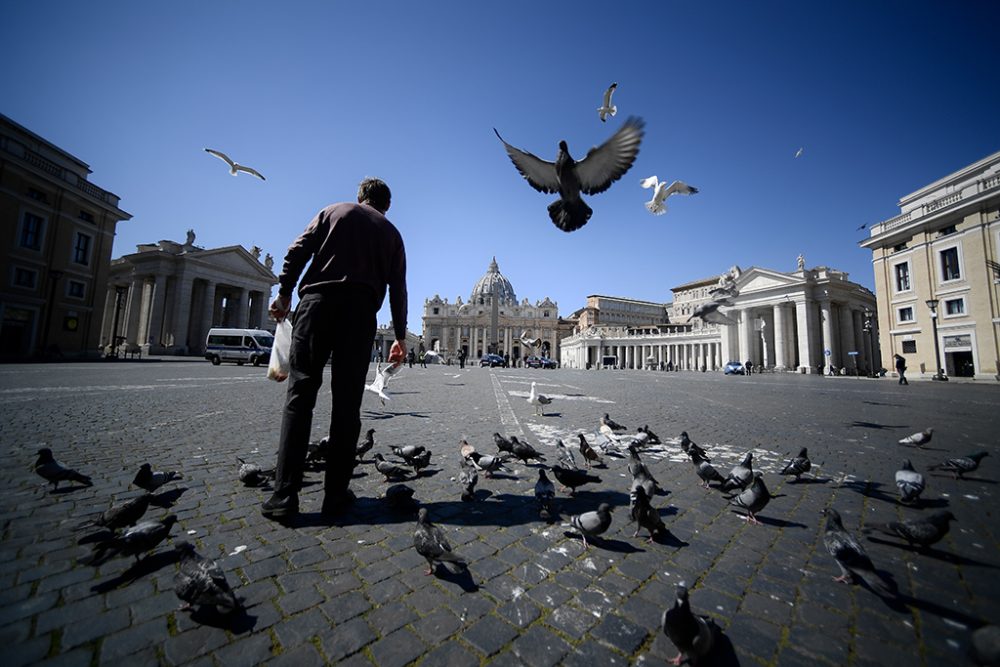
(933, 304)
(869, 328)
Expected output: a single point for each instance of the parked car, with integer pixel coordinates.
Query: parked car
(539, 362)
(491, 360)
(240, 345)
(733, 368)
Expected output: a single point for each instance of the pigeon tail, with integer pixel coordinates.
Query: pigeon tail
(569, 216)
(656, 208)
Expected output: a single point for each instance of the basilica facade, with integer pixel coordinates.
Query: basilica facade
(493, 321)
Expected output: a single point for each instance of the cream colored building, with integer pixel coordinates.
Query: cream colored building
(801, 321)
(492, 320)
(164, 297)
(942, 248)
(57, 232)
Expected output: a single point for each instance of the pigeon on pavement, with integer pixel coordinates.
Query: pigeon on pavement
(644, 514)
(693, 635)
(918, 439)
(589, 454)
(233, 166)
(52, 471)
(467, 477)
(122, 515)
(502, 443)
(391, 471)
(922, 532)
(909, 482)
(465, 449)
(201, 582)
(606, 420)
(138, 539)
(851, 556)
(524, 451)
(538, 400)
(430, 542)
(487, 463)
(688, 446)
(651, 438)
(565, 454)
(754, 498)
(151, 481)
(704, 469)
(592, 523)
(590, 176)
(797, 466)
(407, 452)
(640, 473)
(545, 493)
(571, 478)
(252, 474)
(741, 475)
(607, 108)
(365, 445)
(661, 191)
(960, 464)
(419, 461)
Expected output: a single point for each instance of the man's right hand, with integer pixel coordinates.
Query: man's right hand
(398, 352)
(280, 307)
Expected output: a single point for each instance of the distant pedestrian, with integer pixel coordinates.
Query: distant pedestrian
(411, 357)
(461, 358)
(423, 359)
(749, 366)
(506, 360)
(901, 368)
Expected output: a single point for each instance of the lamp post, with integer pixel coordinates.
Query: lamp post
(119, 296)
(869, 328)
(939, 375)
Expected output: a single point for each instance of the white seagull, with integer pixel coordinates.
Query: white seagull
(538, 400)
(607, 108)
(798, 153)
(382, 379)
(661, 191)
(529, 342)
(234, 167)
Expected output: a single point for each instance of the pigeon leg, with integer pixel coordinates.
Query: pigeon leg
(843, 579)
(678, 659)
(430, 569)
(585, 545)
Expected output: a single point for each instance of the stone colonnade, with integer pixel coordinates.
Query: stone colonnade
(651, 352)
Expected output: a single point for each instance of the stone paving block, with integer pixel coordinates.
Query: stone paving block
(299, 600)
(520, 612)
(620, 633)
(80, 657)
(28, 651)
(346, 638)
(449, 654)
(304, 654)
(391, 616)
(189, 645)
(248, 649)
(298, 629)
(489, 634)
(539, 646)
(590, 653)
(397, 649)
(437, 626)
(28, 608)
(94, 626)
(345, 606)
(386, 590)
(134, 639)
(832, 648)
(571, 621)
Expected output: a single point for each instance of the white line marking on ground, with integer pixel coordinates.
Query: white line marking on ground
(507, 416)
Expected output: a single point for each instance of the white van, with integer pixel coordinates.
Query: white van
(239, 345)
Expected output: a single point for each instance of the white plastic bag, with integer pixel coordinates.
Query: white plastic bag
(277, 370)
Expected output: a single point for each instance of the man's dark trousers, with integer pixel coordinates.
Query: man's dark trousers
(341, 321)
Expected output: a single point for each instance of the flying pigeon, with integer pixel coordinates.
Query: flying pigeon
(545, 493)
(430, 542)
(607, 108)
(918, 439)
(708, 313)
(201, 582)
(606, 420)
(538, 400)
(661, 191)
(122, 515)
(688, 446)
(151, 481)
(565, 454)
(704, 469)
(52, 471)
(590, 176)
(524, 451)
(754, 498)
(741, 475)
(571, 478)
(136, 540)
(589, 454)
(467, 477)
(799, 465)
(851, 556)
(365, 445)
(592, 523)
(922, 532)
(529, 342)
(645, 515)
(382, 376)
(909, 482)
(252, 474)
(693, 635)
(798, 153)
(391, 471)
(960, 464)
(233, 166)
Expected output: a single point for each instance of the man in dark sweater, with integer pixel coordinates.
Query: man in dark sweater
(356, 254)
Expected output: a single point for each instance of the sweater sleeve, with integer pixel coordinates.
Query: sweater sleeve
(299, 253)
(397, 293)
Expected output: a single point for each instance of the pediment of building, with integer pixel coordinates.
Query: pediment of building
(233, 259)
(756, 280)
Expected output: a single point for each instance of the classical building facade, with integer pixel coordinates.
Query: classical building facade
(492, 320)
(937, 275)
(781, 321)
(58, 230)
(164, 297)
(619, 311)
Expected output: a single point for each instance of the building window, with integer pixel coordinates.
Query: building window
(909, 347)
(76, 289)
(436, 310)
(899, 247)
(26, 278)
(949, 265)
(37, 195)
(903, 277)
(954, 307)
(545, 313)
(86, 216)
(32, 227)
(81, 249)
(904, 314)
(950, 229)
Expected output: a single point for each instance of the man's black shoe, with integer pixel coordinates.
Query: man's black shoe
(334, 504)
(277, 508)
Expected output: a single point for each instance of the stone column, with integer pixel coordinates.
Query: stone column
(239, 296)
(207, 314)
(182, 314)
(780, 355)
(805, 335)
(154, 335)
(847, 343)
(132, 310)
(860, 342)
(108, 321)
(826, 319)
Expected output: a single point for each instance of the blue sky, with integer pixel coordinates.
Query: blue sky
(883, 97)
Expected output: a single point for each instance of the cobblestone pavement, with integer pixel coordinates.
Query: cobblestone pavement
(353, 590)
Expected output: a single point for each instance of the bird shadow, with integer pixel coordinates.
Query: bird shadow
(923, 448)
(723, 653)
(69, 489)
(101, 535)
(551, 414)
(606, 543)
(668, 539)
(924, 503)
(869, 489)
(147, 565)
(888, 405)
(810, 480)
(941, 611)
(454, 384)
(167, 499)
(462, 579)
(500, 475)
(874, 425)
(237, 622)
(966, 478)
(929, 552)
(770, 521)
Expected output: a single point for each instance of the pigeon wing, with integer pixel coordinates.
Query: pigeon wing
(540, 174)
(251, 171)
(221, 156)
(680, 188)
(607, 163)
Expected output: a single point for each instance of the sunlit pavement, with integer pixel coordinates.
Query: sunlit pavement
(354, 590)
